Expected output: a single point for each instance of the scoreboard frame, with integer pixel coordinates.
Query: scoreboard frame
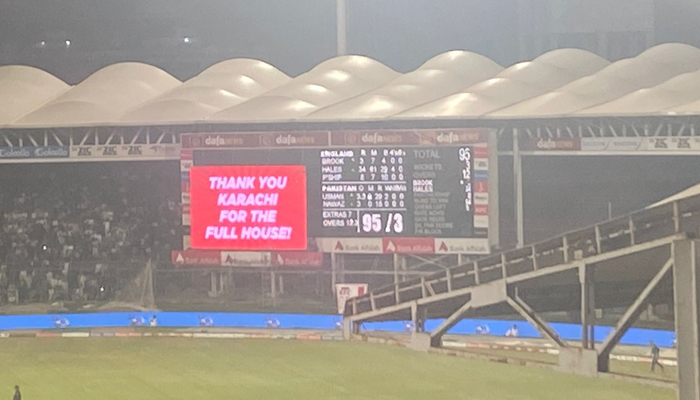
(484, 138)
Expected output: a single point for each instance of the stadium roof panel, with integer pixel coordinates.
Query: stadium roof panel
(677, 91)
(267, 108)
(519, 82)
(610, 83)
(23, 89)
(218, 87)
(440, 76)
(102, 96)
(663, 80)
(330, 82)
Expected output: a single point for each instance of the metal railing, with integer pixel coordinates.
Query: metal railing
(663, 221)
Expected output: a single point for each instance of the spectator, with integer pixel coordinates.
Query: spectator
(655, 355)
(58, 222)
(512, 332)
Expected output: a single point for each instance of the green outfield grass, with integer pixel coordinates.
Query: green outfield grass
(635, 369)
(170, 368)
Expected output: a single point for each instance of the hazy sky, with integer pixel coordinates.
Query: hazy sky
(294, 35)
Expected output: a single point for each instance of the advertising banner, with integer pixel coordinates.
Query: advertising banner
(674, 144)
(196, 257)
(462, 246)
(255, 139)
(345, 291)
(404, 245)
(248, 207)
(246, 258)
(297, 259)
(126, 152)
(408, 137)
(613, 144)
(33, 152)
(185, 165)
(638, 145)
(550, 144)
(409, 245)
(439, 137)
(350, 245)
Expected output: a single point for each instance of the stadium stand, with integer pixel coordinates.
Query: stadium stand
(67, 229)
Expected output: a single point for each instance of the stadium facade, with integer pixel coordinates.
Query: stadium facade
(566, 102)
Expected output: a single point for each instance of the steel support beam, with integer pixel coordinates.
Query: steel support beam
(397, 263)
(686, 289)
(518, 179)
(367, 315)
(587, 306)
(630, 317)
(449, 322)
(334, 271)
(535, 320)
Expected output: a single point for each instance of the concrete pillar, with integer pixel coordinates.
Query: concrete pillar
(418, 316)
(420, 341)
(347, 329)
(686, 281)
(577, 361)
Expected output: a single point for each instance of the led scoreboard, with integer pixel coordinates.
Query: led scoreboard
(398, 191)
(410, 191)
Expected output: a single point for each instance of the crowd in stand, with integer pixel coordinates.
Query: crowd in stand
(71, 231)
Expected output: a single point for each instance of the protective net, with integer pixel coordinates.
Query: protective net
(136, 294)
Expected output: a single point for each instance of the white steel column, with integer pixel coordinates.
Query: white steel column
(518, 181)
(341, 27)
(686, 289)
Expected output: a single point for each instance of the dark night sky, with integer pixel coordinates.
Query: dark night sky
(294, 35)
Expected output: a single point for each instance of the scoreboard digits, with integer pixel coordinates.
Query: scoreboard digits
(390, 191)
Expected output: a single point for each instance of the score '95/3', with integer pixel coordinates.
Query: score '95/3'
(380, 222)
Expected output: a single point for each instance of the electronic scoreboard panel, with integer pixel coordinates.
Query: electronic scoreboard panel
(365, 191)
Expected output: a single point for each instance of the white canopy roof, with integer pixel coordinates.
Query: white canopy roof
(23, 89)
(617, 80)
(517, 83)
(664, 80)
(438, 77)
(218, 87)
(102, 96)
(330, 82)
